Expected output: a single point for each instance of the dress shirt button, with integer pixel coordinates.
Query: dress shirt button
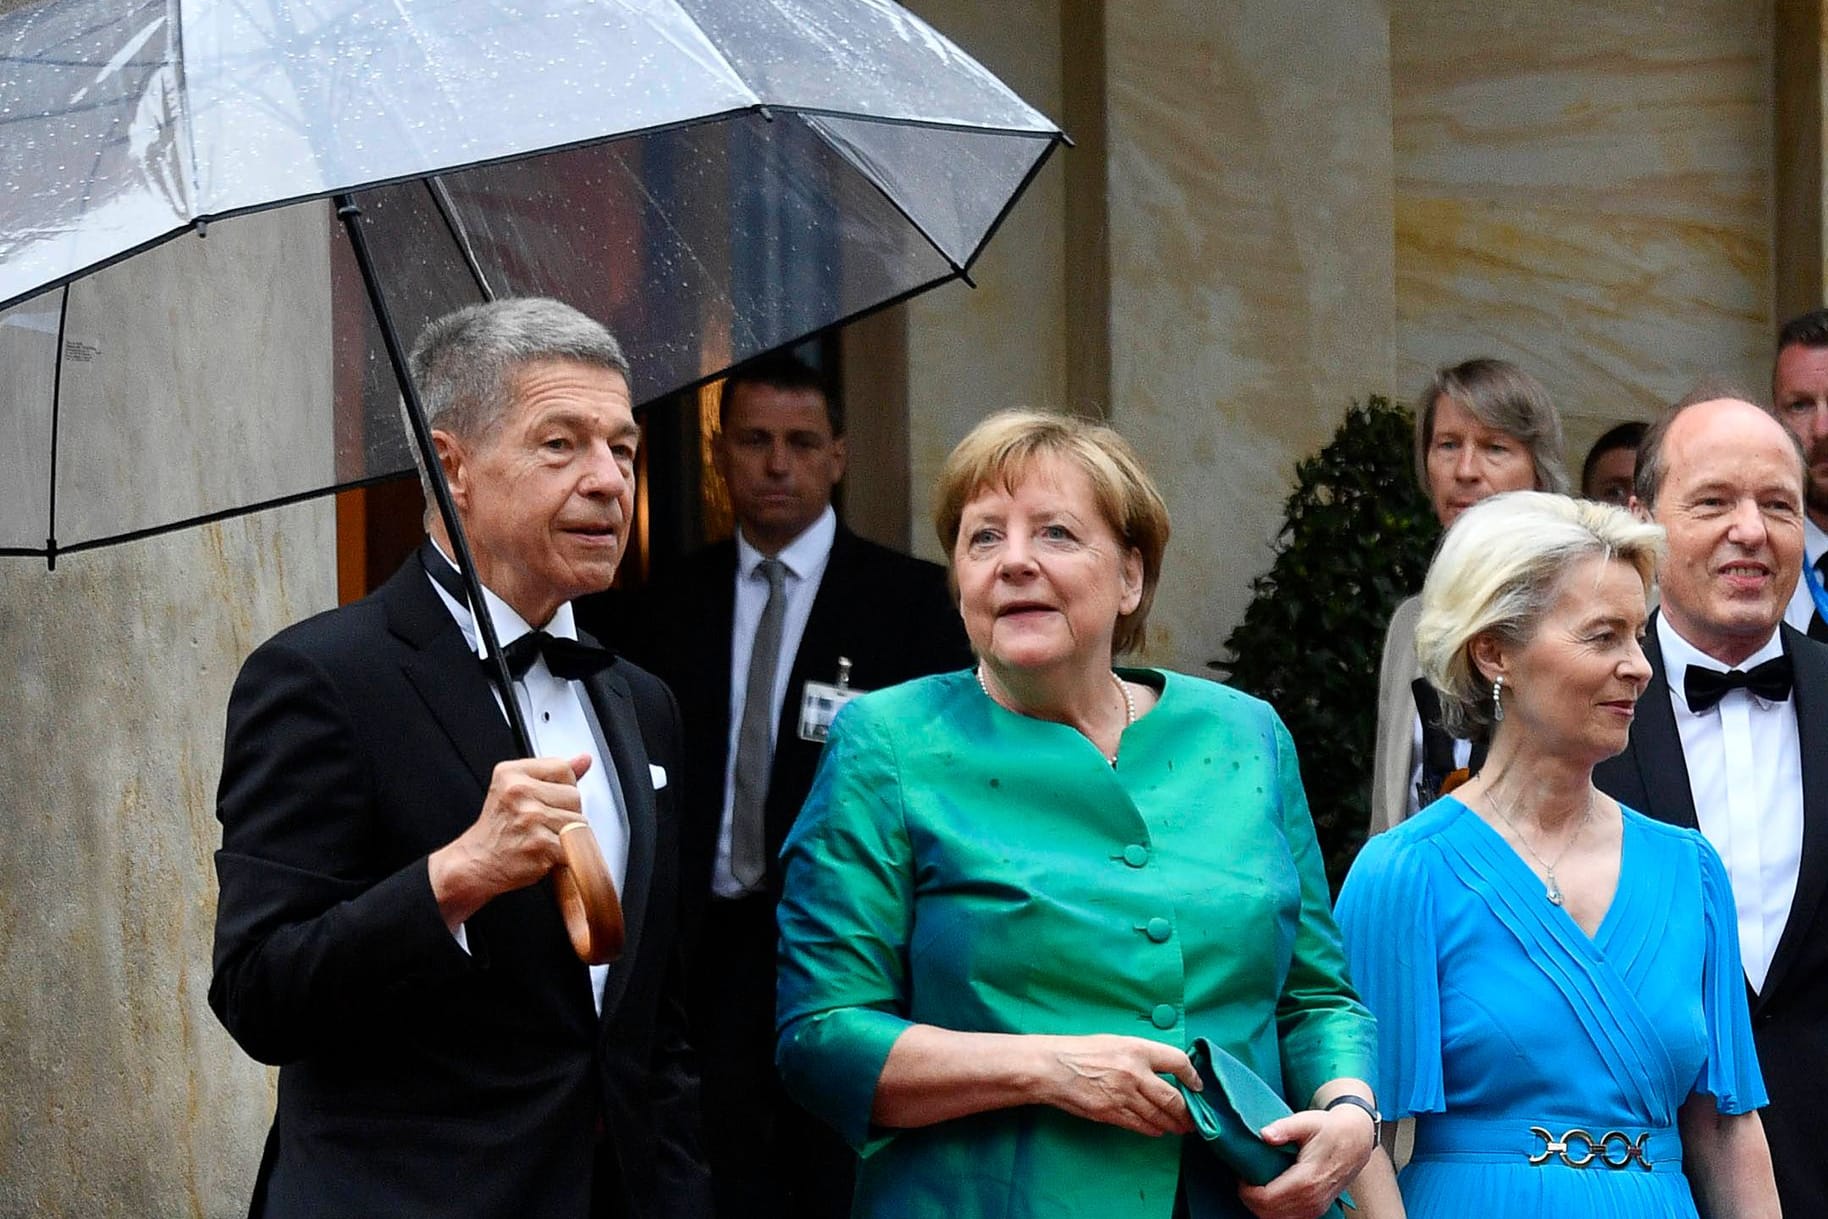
(1136, 854)
(1160, 929)
(1164, 1016)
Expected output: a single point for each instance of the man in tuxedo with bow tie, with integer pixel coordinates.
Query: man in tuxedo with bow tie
(383, 933)
(1731, 735)
(1799, 399)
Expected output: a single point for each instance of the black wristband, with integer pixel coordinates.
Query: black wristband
(1359, 1102)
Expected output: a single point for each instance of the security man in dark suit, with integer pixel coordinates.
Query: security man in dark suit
(383, 934)
(762, 637)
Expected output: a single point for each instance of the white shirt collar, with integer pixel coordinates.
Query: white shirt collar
(509, 625)
(801, 556)
(1679, 653)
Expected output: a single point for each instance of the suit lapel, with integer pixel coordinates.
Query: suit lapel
(1656, 745)
(445, 673)
(1810, 699)
(615, 709)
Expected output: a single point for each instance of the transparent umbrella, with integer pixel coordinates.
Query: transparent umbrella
(711, 178)
(715, 178)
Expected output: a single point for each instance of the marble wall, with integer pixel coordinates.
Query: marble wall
(1251, 270)
(1310, 204)
(1583, 186)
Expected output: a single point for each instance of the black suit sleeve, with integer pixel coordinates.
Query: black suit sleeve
(306, 940)
(683, 1181)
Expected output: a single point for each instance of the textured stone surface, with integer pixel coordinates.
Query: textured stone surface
(1584, 187)
(120, 1095)
(1251, 295)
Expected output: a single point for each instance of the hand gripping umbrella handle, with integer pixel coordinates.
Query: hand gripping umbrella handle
(587, 897)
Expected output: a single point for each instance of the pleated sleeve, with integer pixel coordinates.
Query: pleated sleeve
(845, 914)
(1731, 1075)
(1386, 914)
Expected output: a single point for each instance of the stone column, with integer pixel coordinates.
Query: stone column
(1799, 40)
(1251, 270)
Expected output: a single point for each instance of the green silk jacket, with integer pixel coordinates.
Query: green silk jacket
(959, 865)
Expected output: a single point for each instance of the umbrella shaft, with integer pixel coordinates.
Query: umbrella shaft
(351, 215)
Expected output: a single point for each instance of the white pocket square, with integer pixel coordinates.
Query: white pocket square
(657, 774)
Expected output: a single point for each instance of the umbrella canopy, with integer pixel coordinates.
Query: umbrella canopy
(712, 178)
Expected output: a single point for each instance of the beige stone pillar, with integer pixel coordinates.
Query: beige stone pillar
(1251, 270)
(1799, 40)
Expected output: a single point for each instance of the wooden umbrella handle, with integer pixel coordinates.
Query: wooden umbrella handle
(587, 897)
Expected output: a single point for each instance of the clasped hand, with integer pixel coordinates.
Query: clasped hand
(1335, 1146)
(514, 841)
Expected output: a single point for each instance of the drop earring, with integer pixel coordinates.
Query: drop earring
(1497, 699)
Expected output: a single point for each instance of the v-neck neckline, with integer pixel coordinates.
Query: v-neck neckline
(1522, 872)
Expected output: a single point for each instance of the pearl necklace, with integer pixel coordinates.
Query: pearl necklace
(1129, 702)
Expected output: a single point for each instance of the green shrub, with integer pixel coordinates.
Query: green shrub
(1356, 539)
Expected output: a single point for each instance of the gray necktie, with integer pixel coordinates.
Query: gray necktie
(754, 739)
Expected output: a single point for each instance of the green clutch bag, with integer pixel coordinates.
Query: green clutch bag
(1235, 1104)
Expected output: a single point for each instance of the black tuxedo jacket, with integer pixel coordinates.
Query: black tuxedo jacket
(416, 1078)
(890, 614)
(1790, 1016)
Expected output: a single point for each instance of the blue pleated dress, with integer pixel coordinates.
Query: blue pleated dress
(1498, 1014)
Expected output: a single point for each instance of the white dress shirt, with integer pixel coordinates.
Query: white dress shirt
(805, 559)
(554, 711)
(1802, 605)
(1746, 774)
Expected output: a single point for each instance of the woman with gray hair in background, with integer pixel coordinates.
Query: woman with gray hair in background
(1556, 978)
(1482, 427)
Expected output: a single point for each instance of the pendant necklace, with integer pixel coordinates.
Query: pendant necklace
(1129, 703)
(1551, 889)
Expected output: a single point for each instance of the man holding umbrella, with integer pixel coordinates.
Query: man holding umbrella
(382, 934)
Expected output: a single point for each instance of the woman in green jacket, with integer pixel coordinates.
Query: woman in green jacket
(1018, 894)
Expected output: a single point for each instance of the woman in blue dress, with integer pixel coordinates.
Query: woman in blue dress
(1556, 977)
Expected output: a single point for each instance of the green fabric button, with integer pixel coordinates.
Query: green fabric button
(1160, 929)
(1136, 854)
(1164, 1016)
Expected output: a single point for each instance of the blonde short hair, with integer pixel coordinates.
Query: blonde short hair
(1002, 451)
(1499, 570)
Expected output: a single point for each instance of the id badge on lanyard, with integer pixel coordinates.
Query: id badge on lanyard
(820, 703)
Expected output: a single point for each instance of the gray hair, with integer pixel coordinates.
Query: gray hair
(1501, 396)
(1498, 571)
(464, 363)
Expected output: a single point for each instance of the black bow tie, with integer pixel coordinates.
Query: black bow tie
(568, 659)
(1706, 687)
